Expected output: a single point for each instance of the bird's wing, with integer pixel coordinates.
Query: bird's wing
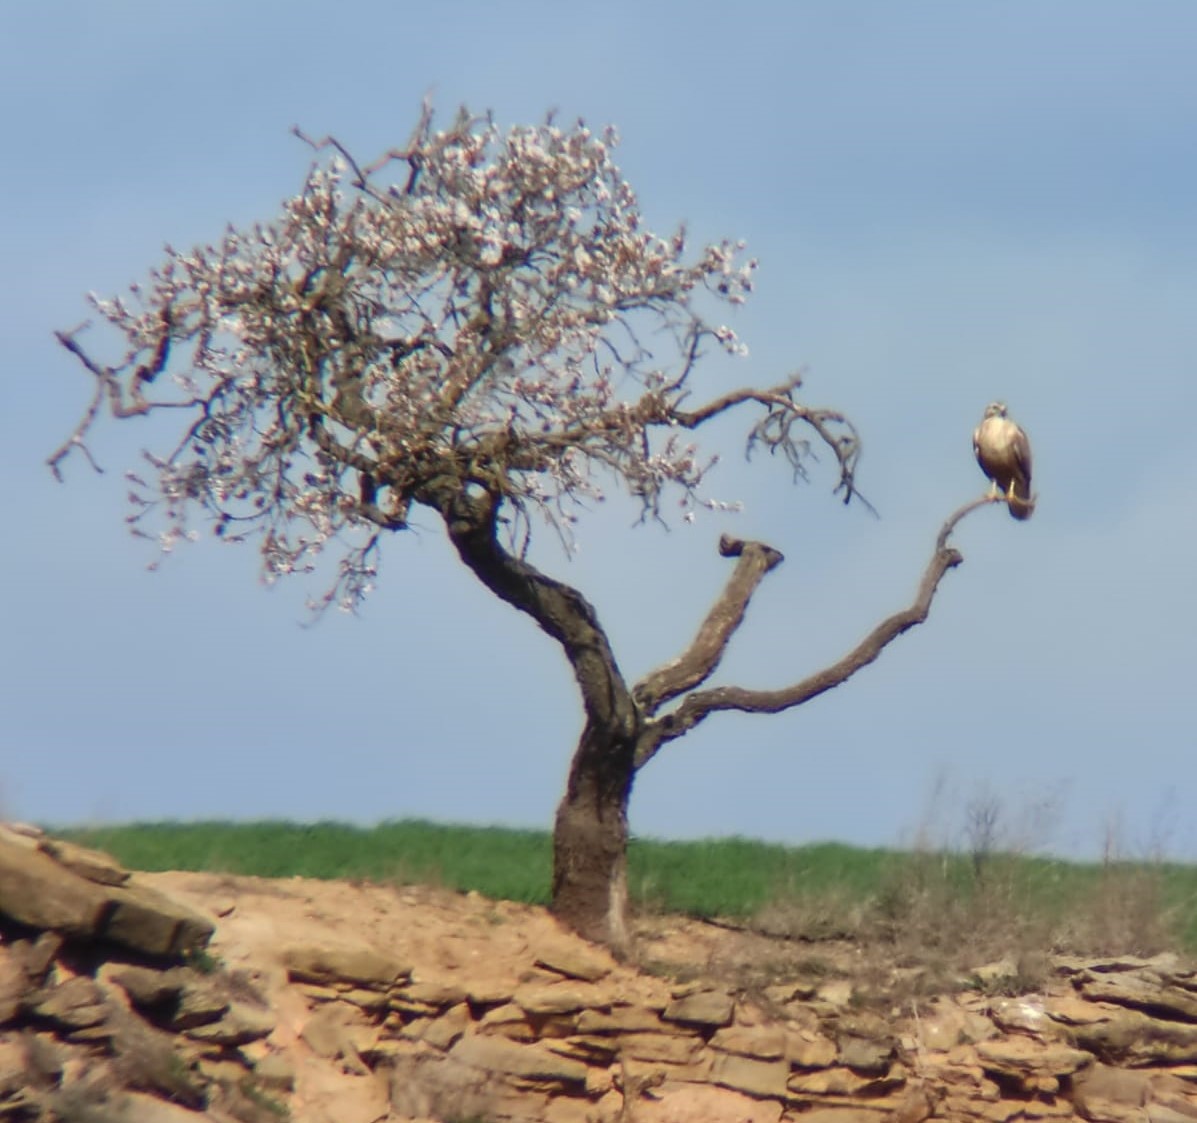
(1021, 449)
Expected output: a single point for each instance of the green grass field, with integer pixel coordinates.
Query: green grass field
(824, 889)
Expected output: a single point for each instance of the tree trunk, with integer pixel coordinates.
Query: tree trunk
(590, 839)
(591, 833)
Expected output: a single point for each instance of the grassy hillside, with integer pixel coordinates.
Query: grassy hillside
(806, 892)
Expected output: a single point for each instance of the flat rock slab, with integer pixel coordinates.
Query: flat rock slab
(560, 998)
(1134, 1038)
(148, 921)
(148, 987)
(531, 1062)
(706, 1008)
(1023, 1056)
(763, 1042)
(39, 893)
(93, 865)
(75, 1003)
(434, 992)
(576, 962)
(620, 1019)
(757, 1078)
(36, 890)
(1131, 990)
(353, 963)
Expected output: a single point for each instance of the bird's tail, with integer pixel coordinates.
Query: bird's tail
(1021, 504)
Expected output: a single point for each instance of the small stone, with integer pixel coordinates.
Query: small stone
(410, 1009)
(487, 992)
(503, 1015)
(668, 1047)
(74, 1004)
(239, 1025)
(781, 994)
(591, 1049)
(757, 1078)
(619, 1019)
(442, 1032)
(532, 1062)
(36, 958)
(148, 987)
(864, 1054)
(372, 1001)
(838, 1081)
(101, 1032)
(705, 1008)
(557, 998)
(576, 962)
(355, 963)
(433, 992)
(1072, 1011)
(415, 1029)
(1026, 1015)
(808, 1049)
(275, 1071)
(386, 1050)
(199, 1003)
(767, 1043)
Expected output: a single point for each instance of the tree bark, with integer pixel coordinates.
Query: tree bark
(590, 839)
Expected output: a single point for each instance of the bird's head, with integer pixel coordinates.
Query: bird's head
(995, 409)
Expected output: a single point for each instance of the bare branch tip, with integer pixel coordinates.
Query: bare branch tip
(730, 547)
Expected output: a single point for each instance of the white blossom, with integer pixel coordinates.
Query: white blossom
(481, 305)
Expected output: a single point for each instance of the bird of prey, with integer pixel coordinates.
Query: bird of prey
(1004, 453)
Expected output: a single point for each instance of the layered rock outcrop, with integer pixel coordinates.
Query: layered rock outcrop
(121, 1002)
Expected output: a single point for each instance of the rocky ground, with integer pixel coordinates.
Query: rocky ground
(185, 998)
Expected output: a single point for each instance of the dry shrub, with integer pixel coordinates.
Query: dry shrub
(938, 911)
(811, 916)
(1125, 914)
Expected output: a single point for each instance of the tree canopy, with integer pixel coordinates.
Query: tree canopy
(478, 309)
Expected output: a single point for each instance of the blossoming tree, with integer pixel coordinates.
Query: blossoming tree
(477, 324)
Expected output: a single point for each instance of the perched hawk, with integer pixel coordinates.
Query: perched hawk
(1004, 454)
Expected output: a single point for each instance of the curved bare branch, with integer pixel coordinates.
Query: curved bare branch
(776, 431)
(700, 705)
(559, 609)
(698, 662)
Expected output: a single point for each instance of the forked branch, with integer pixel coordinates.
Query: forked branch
(698, 662)
(698, 706)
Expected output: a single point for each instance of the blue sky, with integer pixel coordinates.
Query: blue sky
(951, 203)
